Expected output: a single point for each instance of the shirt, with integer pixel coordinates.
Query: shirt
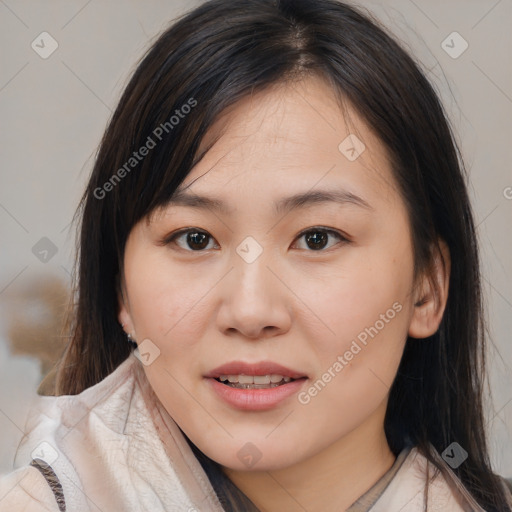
(114, 447)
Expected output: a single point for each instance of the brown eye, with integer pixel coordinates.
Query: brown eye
(317, 238)
(197, 240)
(193, 240)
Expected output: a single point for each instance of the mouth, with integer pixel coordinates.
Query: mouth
(242, 381)
(263, 373)
(257, 386)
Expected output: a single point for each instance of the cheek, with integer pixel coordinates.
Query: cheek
(366, 297)
(357, 365)
(356, 371)
(166, 308)
(165, 301)
(366, 307)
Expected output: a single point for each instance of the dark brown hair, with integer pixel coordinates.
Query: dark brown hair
(217, 54)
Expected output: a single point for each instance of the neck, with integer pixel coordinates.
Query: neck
(329, 481)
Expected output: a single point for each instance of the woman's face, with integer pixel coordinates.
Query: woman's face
(298, 263)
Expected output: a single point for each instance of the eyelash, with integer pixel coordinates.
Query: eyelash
(171, 239)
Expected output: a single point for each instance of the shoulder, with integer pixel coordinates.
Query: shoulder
(26, 489)
(112, 433)
(80, 422)
(407, 491)
(57, 416)
(72, 435)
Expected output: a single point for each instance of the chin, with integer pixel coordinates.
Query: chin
(255, 455)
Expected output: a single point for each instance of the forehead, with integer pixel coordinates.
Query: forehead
(290, 138)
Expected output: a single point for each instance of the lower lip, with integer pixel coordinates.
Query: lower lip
(256, 399)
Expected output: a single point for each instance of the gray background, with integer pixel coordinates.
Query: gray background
(53, 112)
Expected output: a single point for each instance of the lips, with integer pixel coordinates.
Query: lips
(257, 387)
(255, 369)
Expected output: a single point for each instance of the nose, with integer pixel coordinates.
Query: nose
(255, 303)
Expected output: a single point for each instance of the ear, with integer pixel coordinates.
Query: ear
(123, 315)
(431, 294)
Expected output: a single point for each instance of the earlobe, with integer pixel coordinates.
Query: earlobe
(431, 295)
(123, 315)
(124, 319)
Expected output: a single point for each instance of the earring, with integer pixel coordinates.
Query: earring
(131, 341)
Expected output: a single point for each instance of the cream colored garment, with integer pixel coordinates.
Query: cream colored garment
(116, 453)
(405, 492)
(119, 450)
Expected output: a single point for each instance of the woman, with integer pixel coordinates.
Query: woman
(278, 221)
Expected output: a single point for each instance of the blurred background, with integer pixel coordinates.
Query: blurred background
(63, 66)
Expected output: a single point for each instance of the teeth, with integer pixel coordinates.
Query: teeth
(261, 379)
(254, 379)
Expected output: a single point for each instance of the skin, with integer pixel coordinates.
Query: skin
(293, 305)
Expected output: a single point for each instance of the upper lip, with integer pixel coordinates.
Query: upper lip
(258, 368)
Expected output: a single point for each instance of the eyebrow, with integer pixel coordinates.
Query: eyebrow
(282, 206)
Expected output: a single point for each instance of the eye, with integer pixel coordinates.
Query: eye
(317, 238)
(195, 239)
